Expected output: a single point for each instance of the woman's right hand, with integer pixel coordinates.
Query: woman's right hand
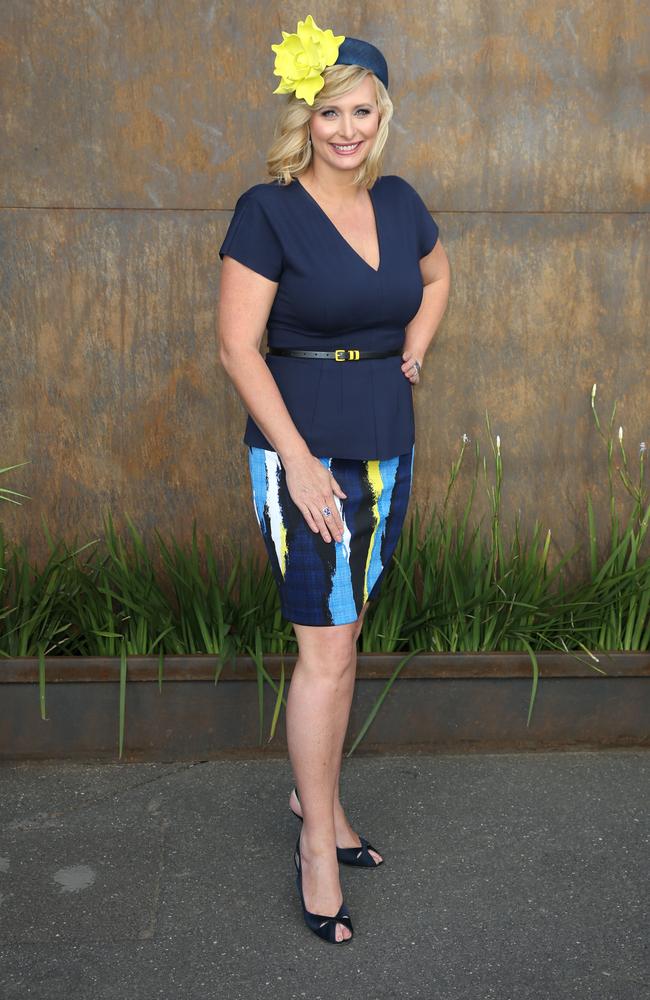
(312, 486)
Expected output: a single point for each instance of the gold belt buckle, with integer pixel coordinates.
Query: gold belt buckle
(354, 354)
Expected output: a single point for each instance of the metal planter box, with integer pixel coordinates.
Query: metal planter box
(452, 702)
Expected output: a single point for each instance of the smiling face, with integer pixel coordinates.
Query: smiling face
(350, 120)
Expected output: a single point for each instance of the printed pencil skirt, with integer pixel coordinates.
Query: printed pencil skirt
(328, 583)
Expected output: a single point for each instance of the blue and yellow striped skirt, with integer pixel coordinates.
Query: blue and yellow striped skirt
(328, 583)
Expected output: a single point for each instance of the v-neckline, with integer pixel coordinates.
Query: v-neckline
(340, 234)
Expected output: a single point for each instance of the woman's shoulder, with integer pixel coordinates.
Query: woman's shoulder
(396, 184)
(264, 193)
(265, 201)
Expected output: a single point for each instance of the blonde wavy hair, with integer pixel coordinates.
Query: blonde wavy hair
(291, 153)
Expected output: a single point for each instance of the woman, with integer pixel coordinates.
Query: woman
(345, 270)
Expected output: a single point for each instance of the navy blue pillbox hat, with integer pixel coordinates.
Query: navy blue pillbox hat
(356, 52)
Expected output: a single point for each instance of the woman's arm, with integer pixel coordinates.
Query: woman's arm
(245, 300)
(436, 277)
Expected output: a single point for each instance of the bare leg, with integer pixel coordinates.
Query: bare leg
(317, 710)
(345, 834)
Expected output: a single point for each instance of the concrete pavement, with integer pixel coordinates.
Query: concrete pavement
(506, 876)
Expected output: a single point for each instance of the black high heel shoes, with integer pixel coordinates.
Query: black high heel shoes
(360, 857)
(320, 923)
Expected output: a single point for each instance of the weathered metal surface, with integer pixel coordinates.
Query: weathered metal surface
(128, 134)
(499, 106)
(375, 666)
(439, 702)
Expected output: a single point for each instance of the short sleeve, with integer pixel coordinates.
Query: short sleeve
(251, 240)
(426, 227)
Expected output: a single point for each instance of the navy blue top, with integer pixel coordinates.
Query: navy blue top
(328, 296)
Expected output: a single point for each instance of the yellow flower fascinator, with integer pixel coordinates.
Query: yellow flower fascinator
(300, 58)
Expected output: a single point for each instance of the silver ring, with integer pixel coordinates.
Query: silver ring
(327, 512)
(416, 365)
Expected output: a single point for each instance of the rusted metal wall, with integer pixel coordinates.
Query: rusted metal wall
(128, 131)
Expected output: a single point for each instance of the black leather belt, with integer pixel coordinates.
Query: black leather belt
(338, 355)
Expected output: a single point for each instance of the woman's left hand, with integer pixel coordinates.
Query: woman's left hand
(411, 367)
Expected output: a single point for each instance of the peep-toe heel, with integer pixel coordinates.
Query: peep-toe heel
(359, 857)
(320, 923)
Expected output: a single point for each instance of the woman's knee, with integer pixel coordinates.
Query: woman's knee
(330, 650)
